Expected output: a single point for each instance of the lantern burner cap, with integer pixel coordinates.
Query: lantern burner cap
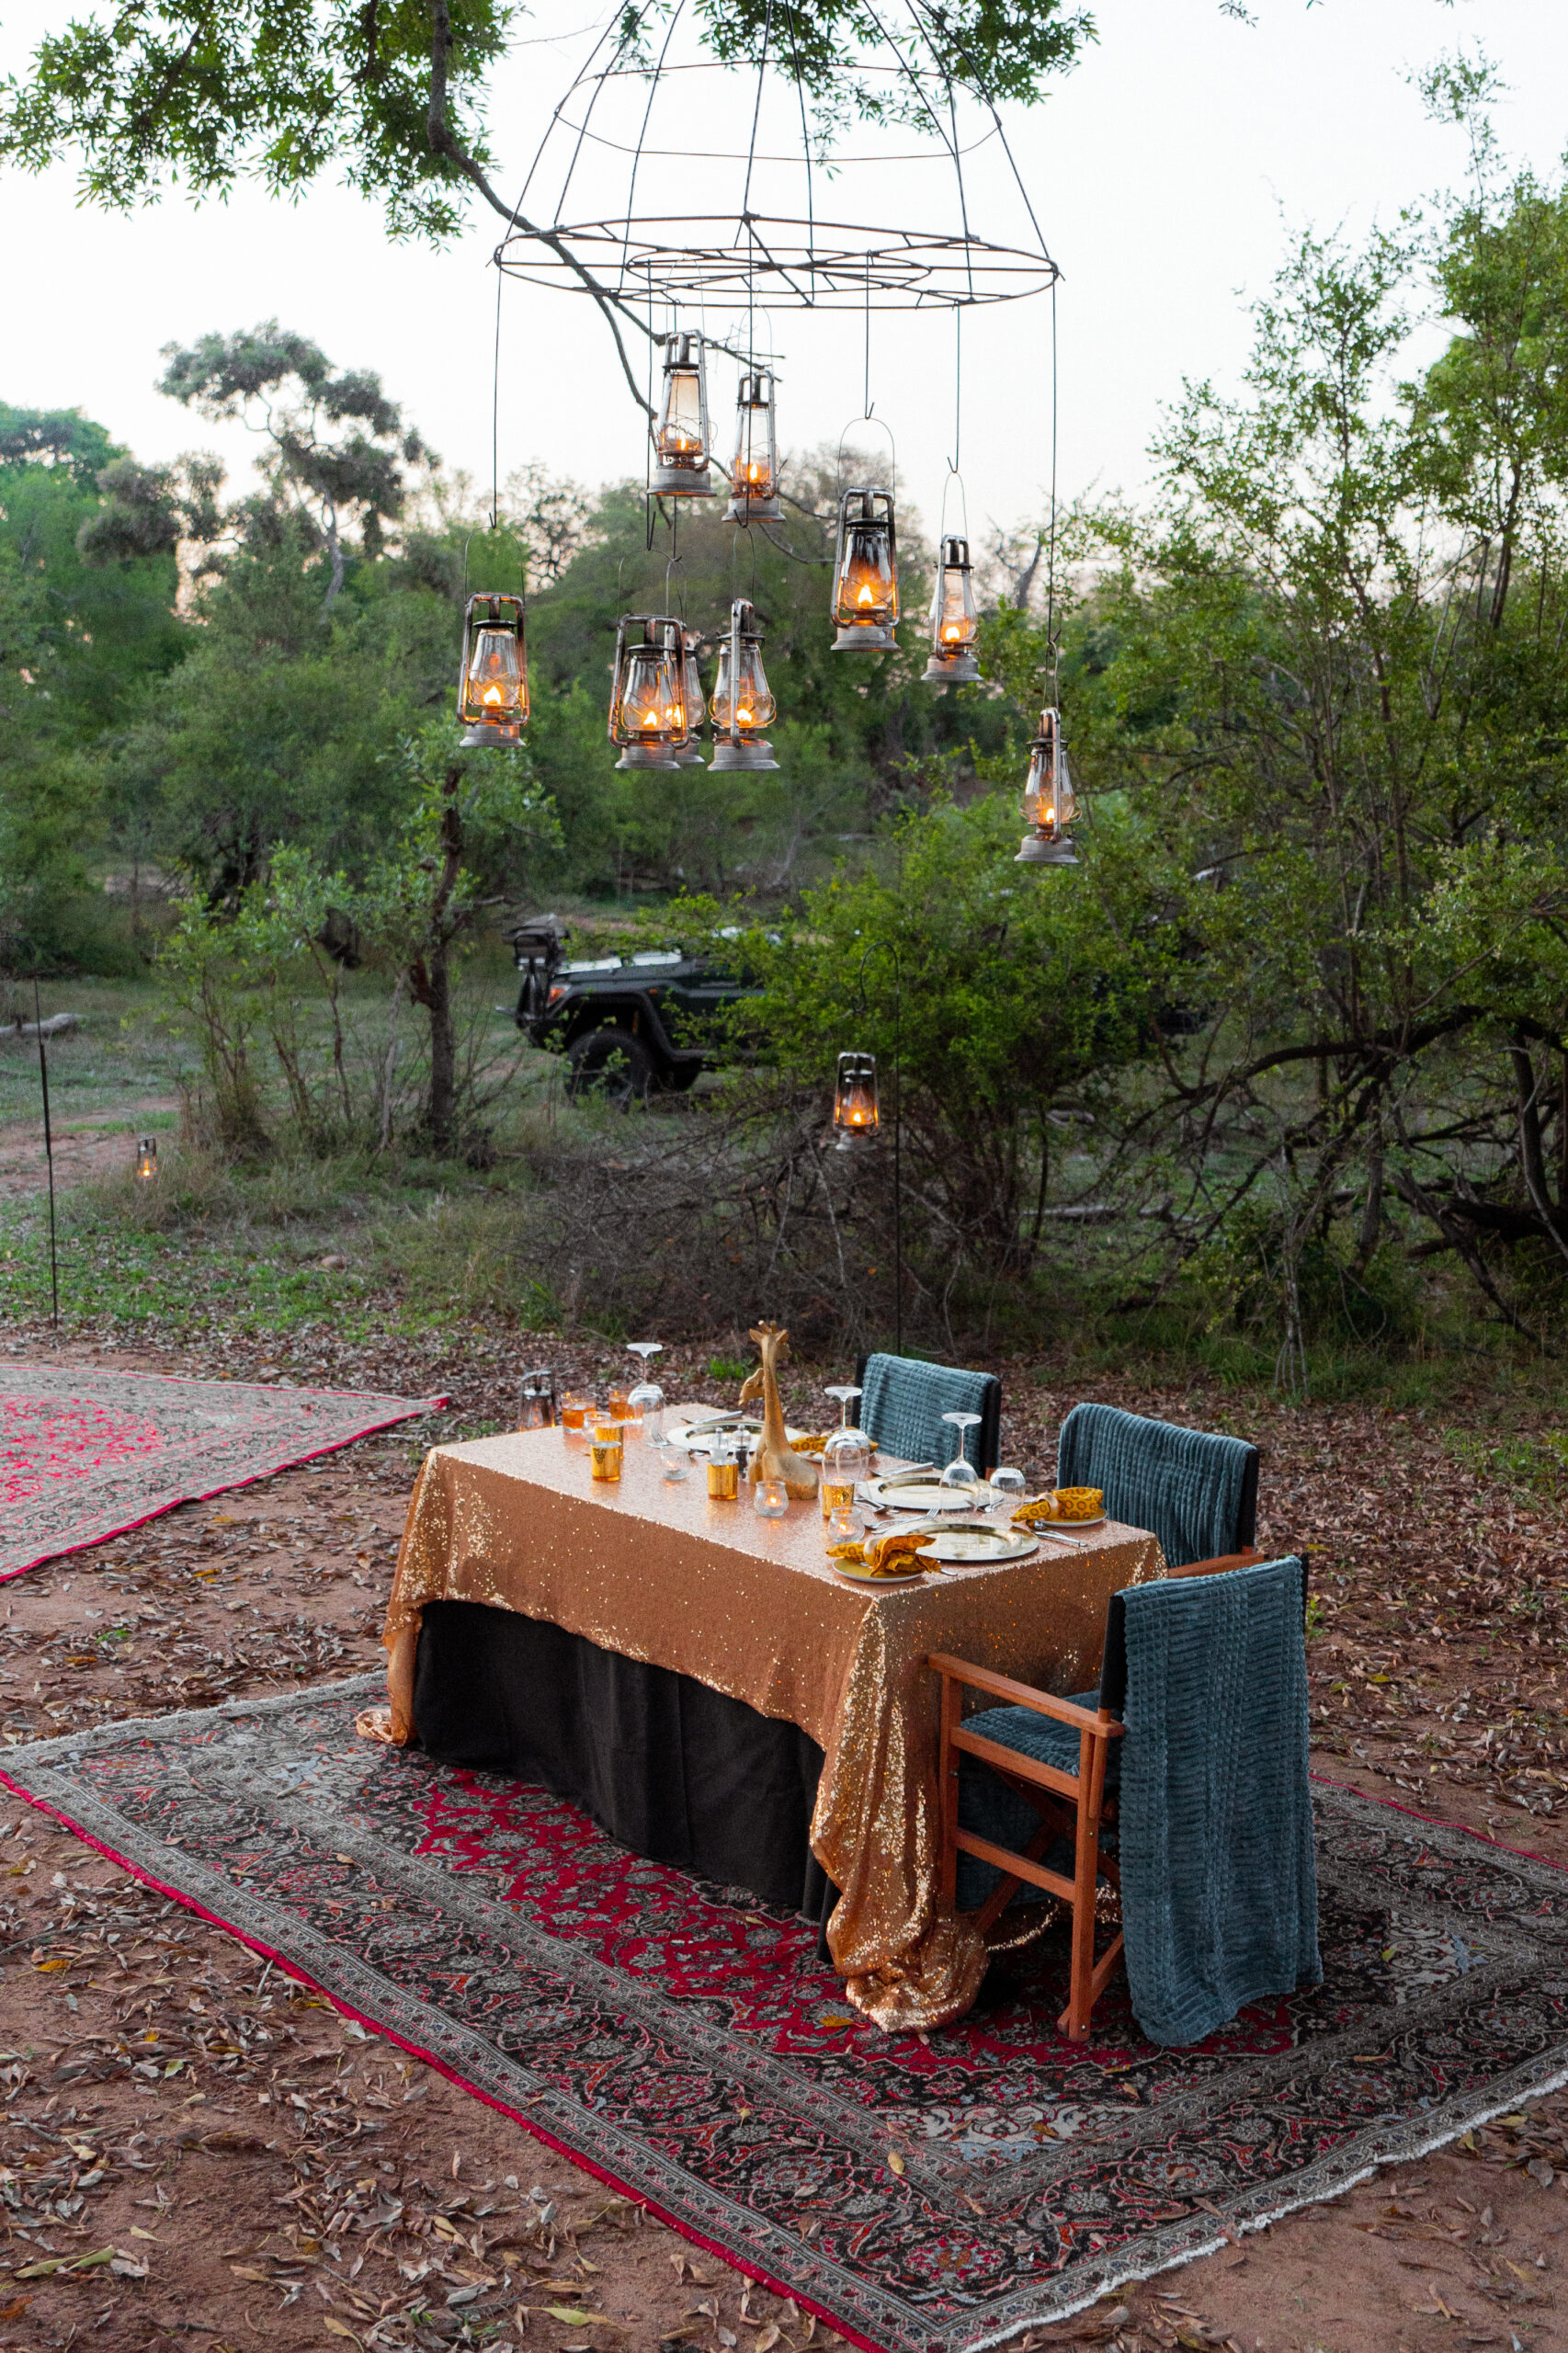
(950, 669)
(484, 732)
(743, 508)
(683, 481)
(863, 637)
(754, 752)
(1038, 849)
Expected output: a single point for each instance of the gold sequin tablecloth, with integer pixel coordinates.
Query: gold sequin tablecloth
(751, 1607)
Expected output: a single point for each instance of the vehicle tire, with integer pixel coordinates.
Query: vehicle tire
(612, 1065)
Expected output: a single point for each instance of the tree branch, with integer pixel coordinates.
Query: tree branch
(444, 143)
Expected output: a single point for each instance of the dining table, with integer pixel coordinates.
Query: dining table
(584, 1631)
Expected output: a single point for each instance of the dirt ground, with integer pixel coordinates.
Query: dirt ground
(269, 2172)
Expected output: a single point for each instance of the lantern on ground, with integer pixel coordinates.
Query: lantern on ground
(754, 478)
(955, 624)
(647, 711)
(743, 703)
(146, 1160)
(680, 438)
(855, 1114)
(864, 571)
(492, 684)
(689, 756)
(1050, 802)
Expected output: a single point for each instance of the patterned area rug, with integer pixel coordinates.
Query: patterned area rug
(684, 2043)
(84, 1454)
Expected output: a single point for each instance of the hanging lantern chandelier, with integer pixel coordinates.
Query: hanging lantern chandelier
(754, 478)
(492, 684)
(743, 703)
(689, 756)
(864, 571)
(648, 709)
(855, 1114)
(955, 624)
(680, 439)
(1049, 802)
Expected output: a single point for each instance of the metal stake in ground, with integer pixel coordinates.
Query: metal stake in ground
(48, 1153)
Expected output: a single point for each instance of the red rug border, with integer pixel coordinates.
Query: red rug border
(585, 2164)
(415, 1408)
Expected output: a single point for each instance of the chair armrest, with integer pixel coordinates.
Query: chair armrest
(1022, 1695)
(1217, 1567)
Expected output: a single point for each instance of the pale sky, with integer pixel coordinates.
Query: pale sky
(1166, 173)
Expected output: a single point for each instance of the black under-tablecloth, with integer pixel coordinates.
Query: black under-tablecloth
(673, 1770)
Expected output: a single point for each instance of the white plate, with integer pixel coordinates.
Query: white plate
(971, 1546)
(924, 1495)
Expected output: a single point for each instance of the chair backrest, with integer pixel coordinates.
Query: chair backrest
(1196, 1491)
(1165, 1593)
(903, 1401)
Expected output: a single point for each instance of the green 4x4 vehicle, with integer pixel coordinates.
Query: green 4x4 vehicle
(629, 1025)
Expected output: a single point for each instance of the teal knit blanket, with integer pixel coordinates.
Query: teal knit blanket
(1186, 1485)
(1219, 1875)
(903, 1401)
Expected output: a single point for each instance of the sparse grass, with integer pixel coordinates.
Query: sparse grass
(1534, 1465)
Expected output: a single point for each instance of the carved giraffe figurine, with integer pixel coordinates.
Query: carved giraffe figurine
(774, 1458)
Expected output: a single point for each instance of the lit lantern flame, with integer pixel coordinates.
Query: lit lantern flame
(743, 701)
(1050, 802)
(754, 475)
(865, 599)
(493, 690)
(146, 1159)
(680, 438)
(955, 621)
(648, 711)
(855, 1113)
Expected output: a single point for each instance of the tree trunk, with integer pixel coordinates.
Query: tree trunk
(443, 1050)
(429, 976)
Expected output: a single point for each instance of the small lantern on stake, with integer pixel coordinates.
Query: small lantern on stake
(680, 439)
(855, 1114)
(955, 624)
(689, 757)
(1049, 802)
(754, 478)
(146, 1160)
(864, 571)
(743, 703)
(492, 684)
(647, 711)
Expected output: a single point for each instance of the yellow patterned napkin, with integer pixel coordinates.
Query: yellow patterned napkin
(1061, 1504)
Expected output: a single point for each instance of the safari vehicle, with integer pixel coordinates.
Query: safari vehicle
(629, 1025)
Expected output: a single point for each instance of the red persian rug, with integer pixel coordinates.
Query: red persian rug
(84, 1454)
(683, 2042)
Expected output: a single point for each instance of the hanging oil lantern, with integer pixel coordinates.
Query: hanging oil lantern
(146, 1160)
(690, 757)
(754, 478)
(955, 624)
(647, 711)
(492, 684)
(855, 1114)
(1050, 802)
(680, 440)
(864, 571)
(743, 703)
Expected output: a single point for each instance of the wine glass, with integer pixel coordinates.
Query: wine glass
(845, 1459)
(645, 1403)
(961, 1473)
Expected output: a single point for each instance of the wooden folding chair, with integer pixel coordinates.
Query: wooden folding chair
(1072, 1805)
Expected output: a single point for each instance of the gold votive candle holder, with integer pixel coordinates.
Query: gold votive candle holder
(606, 1451)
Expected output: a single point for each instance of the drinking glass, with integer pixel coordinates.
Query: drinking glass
(577, 1407)
(607, 1450)
(845, 1459)
(961, 1472)
(620, 1401)
(536, 1408)
(646, 1403)
(1007, 1486)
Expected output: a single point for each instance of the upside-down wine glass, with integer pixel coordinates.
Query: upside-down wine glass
(845, 1458)
(961, 1472)
(645, 1403)
(1007, 1486)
